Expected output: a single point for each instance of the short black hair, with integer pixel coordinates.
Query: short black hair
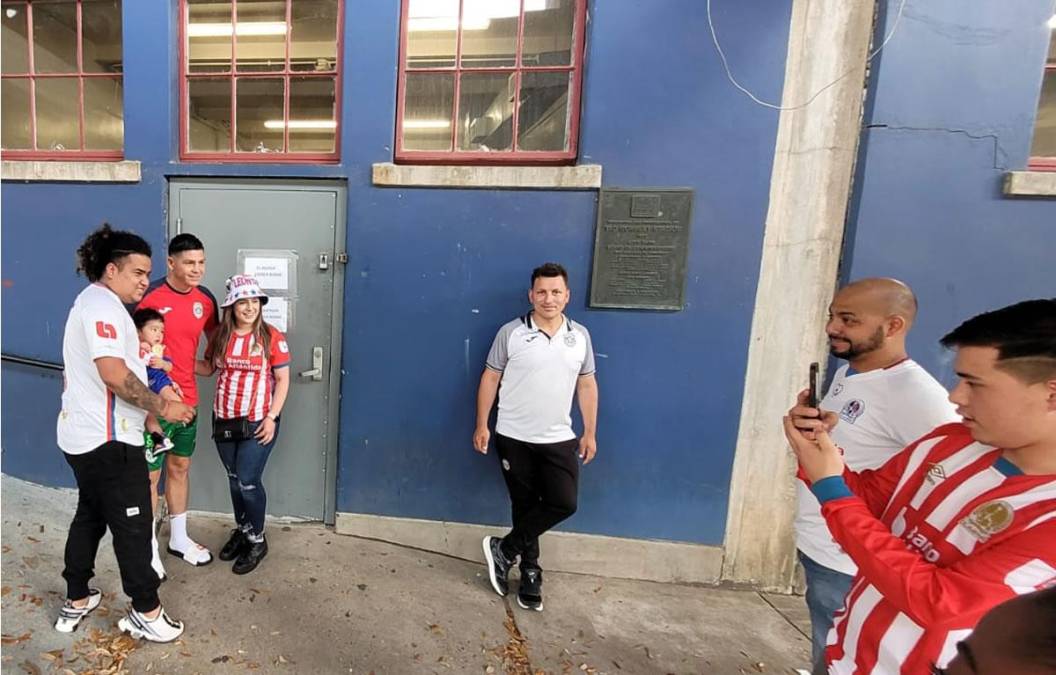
(185, 242)
(107, 245)
(1024, 335)
(550, 269)
(1034, 644)
(141, 317)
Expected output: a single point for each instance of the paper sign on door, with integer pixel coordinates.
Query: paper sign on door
(277, 313)
(271, 273)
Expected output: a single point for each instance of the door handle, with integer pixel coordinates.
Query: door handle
(316, 373)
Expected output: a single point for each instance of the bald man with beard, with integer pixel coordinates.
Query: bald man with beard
(884, 401)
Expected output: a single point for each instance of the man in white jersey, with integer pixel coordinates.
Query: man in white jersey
(884, 401)
(100, 430)
(540, 360)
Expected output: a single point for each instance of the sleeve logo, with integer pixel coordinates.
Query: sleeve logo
(283, 347)
(105, 330)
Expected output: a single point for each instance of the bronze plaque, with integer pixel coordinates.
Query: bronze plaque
(640, 248)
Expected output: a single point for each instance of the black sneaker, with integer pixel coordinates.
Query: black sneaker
(235, 545)
(498, 565)
(251, 556)
(530, 593)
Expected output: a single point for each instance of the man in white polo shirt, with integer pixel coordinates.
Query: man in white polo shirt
(100, 430)
(540, 360)
(884, 402)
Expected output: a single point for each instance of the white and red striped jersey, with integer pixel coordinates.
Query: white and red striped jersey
(246, 383)
(941, 533)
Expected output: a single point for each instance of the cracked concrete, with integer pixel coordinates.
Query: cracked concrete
(326, 603)
(999, 152)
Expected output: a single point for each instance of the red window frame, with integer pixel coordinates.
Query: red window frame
(1045, 163)
(57, 155)
(234, 75)
(513, 156)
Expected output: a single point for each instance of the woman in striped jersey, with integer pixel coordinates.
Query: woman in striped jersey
(253, 360)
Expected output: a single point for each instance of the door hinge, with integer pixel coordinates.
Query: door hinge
(341, 258)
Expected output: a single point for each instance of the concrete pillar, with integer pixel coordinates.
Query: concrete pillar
(809, 191)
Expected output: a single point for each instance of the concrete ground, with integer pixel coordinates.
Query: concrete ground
(326, 603)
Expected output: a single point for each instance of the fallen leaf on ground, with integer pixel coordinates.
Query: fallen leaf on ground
(12, 640)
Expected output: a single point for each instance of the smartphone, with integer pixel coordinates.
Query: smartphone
(812, 397)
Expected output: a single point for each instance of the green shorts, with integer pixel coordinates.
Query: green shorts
(183, 438)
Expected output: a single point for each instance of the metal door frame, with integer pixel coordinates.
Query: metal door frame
(337, 304)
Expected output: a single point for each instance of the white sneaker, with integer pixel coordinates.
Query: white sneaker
(70, 616)
(160, 629)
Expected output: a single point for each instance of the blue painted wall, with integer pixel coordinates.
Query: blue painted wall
(952, 106)
(657, 111)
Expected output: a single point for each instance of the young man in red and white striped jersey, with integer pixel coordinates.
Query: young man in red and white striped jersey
(958, 522)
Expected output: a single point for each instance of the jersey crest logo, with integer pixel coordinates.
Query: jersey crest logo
(570, 340)
(105, 330)
(283, 347)
(198, 309)
(988, 519)
(257, 350)
(852, 411)
(935, 474)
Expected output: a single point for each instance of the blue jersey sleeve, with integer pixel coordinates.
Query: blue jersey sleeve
(157, 379)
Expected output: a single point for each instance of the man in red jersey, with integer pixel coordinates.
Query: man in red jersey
(190, 311)
(962, 519)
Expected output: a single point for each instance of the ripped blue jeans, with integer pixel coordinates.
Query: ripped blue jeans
(244, 462)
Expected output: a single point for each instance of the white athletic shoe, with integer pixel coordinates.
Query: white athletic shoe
(160, 629)
(70, 616)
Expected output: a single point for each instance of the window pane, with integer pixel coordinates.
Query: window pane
(101, 36)
(427, 111)
(208, 36)
(431, 33)
(58, 127)
(312, 115)
(489, 33)
(55, 37)
(14, 44)
(548, 32)
(260, 32)
(1045, 128)
(104, 127)
(209, 117)
(313, 42)
(259, 111)
(485, 112)
(543, 116)
(15, 115)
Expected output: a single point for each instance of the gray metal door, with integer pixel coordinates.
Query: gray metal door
(291, 235)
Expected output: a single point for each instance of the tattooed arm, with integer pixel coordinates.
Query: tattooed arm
(124, 383)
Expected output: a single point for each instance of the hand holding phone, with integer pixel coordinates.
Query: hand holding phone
(812, 397)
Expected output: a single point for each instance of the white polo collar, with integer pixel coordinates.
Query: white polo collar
(527, 321)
